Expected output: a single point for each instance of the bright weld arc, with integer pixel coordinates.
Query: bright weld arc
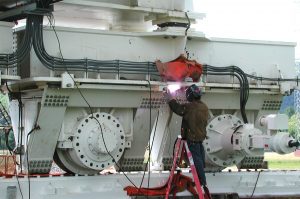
(173, 87)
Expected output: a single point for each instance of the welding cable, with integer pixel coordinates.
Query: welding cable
(174, 147)
(36, 127)
(189, 23)
(255, 185)
(16, 175)
(186, 37)
(92, 117)
(20, 129)
(150, 146)
(150, 142)
(9, 123)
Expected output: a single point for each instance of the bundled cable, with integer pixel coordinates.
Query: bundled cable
(34, 37)
(240, 75)
(107, 66)
(10, 60)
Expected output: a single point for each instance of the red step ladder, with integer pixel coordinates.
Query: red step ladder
(176, 182)
(182, 144)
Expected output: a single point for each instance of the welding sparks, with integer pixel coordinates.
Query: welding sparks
(173, 87)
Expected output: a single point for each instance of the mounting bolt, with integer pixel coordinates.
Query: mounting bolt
(69, 85)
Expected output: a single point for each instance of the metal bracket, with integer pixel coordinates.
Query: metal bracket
(67, 80)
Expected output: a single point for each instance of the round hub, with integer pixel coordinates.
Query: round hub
(218, 145)
(98, 142)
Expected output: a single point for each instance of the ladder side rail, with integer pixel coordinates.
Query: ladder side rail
(177, 150)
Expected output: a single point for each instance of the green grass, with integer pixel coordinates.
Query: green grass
(284, 164)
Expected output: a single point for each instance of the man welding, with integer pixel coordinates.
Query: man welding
(193, 127)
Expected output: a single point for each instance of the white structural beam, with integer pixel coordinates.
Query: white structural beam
(158, 137)
(262, 184)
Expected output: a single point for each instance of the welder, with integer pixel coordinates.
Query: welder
(193, 127)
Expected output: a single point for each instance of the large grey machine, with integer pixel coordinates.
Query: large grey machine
(87, 95)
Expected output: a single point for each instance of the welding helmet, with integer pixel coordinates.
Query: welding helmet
(193, 92)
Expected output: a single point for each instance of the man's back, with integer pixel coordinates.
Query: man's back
(194, 119)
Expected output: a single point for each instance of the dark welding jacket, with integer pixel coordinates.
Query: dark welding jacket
(194, 119)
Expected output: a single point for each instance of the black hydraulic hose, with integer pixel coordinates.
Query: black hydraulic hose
(34, 28)
(34, 37)
(9, 60)
(110, 66)
(242, 102)
(244, 85)
(240, 75)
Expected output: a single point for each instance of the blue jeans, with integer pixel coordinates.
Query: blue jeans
(198, 154)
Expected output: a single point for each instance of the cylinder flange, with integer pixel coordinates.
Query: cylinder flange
(98, 143)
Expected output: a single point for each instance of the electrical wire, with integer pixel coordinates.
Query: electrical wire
(34, 35)
(255, 184)
(188, 25)
(59, 46)
(150, 145)
(11, 153)
(16, 175)
(92, 116)
(186, 37)
(150, 92)
(108, 66)
(36, 127)
(33, 27)
(20, 132)
(10, 60)
(240, 75)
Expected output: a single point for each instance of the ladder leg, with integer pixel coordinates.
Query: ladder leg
(177, 149)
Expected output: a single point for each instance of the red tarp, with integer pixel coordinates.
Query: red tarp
(180, 183)
(179, 69)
